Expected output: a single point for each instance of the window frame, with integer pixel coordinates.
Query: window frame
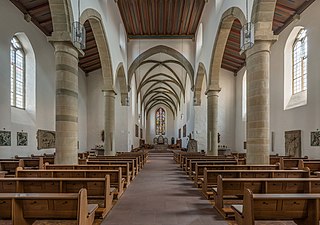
(303, 77)
(163, 132)
(13, 74)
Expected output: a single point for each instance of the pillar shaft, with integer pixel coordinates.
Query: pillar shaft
(109, 124)
(212, 110)
(258, 104)
(66, 59)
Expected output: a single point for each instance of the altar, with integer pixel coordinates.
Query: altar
(160, 143)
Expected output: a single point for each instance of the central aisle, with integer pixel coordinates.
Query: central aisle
(162, 194)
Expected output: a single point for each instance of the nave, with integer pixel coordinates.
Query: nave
(162, 195)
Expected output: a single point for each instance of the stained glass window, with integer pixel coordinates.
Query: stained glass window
(17, 74)
(160, 121)
(300, 57)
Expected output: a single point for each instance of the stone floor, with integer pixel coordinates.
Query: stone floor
(162, 194)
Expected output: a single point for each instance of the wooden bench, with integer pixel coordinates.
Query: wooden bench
(116, 179)
(302, 208)
(132, 167)
(125, 168)
(26, 208)
(210, 178)
(132, 164)
(229, 188)
(199, 169)
(99, 190)
(137, 160)
(192, 163)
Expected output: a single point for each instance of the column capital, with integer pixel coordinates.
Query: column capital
(64, 38)
(109, 93)
(211, 92)
(262, 43)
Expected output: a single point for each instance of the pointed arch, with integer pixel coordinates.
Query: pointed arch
(61, 14)
(201, 75)
(96, 24)
(262, 17)
(120, 75)
(226, 22)
(161, 49)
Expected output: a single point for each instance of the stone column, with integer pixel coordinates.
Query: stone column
(109, 124)
(258, 102)
(212, 111)
(66, 59)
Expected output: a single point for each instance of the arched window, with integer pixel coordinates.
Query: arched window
(300, 60)
(244, 97)
(17, 74)
(160, 121)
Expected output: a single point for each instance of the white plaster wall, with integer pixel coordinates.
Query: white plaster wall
(200, 120)
(226, 112)
(240, 130)
(95, 108)
(305, 118)
(121, 122)
(15, 120)
(111, 21)
(211, 18)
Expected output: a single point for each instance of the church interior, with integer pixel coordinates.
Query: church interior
(159, 112)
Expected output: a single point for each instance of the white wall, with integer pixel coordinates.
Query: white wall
(200, 120)
(95, 108)
(226, 113)
(304, 118)
(43, 117)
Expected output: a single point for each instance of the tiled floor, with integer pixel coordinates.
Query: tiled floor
(162, 194)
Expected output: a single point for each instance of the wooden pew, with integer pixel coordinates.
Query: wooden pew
(137, 160)
(126, 173)
(132, 168)
(116, 179)
(313, 165)
(231, 187)
(302, 208)
(99, 190)
(187, 160)
(210, 178)
(23, 208)
(192, 164)
(199, 169)
(132, 162)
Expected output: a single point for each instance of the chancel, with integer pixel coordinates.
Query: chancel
(148, 112)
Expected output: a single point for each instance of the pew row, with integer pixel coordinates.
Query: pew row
(27, 208)
(116, 180)
(210, 178)
(303, 209)
(99, 190)
(199, 169)
(125, 168)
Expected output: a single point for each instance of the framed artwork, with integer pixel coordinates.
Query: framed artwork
(179, 133)
(185, 130)
(141, 133)
(293, 143)
(22, 138)
(315, 138)
(137, 131)
(46, 139)
(5, 138)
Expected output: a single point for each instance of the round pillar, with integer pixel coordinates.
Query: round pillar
(66, 59)
(258, 103)
(109, 124)
(212, 110)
